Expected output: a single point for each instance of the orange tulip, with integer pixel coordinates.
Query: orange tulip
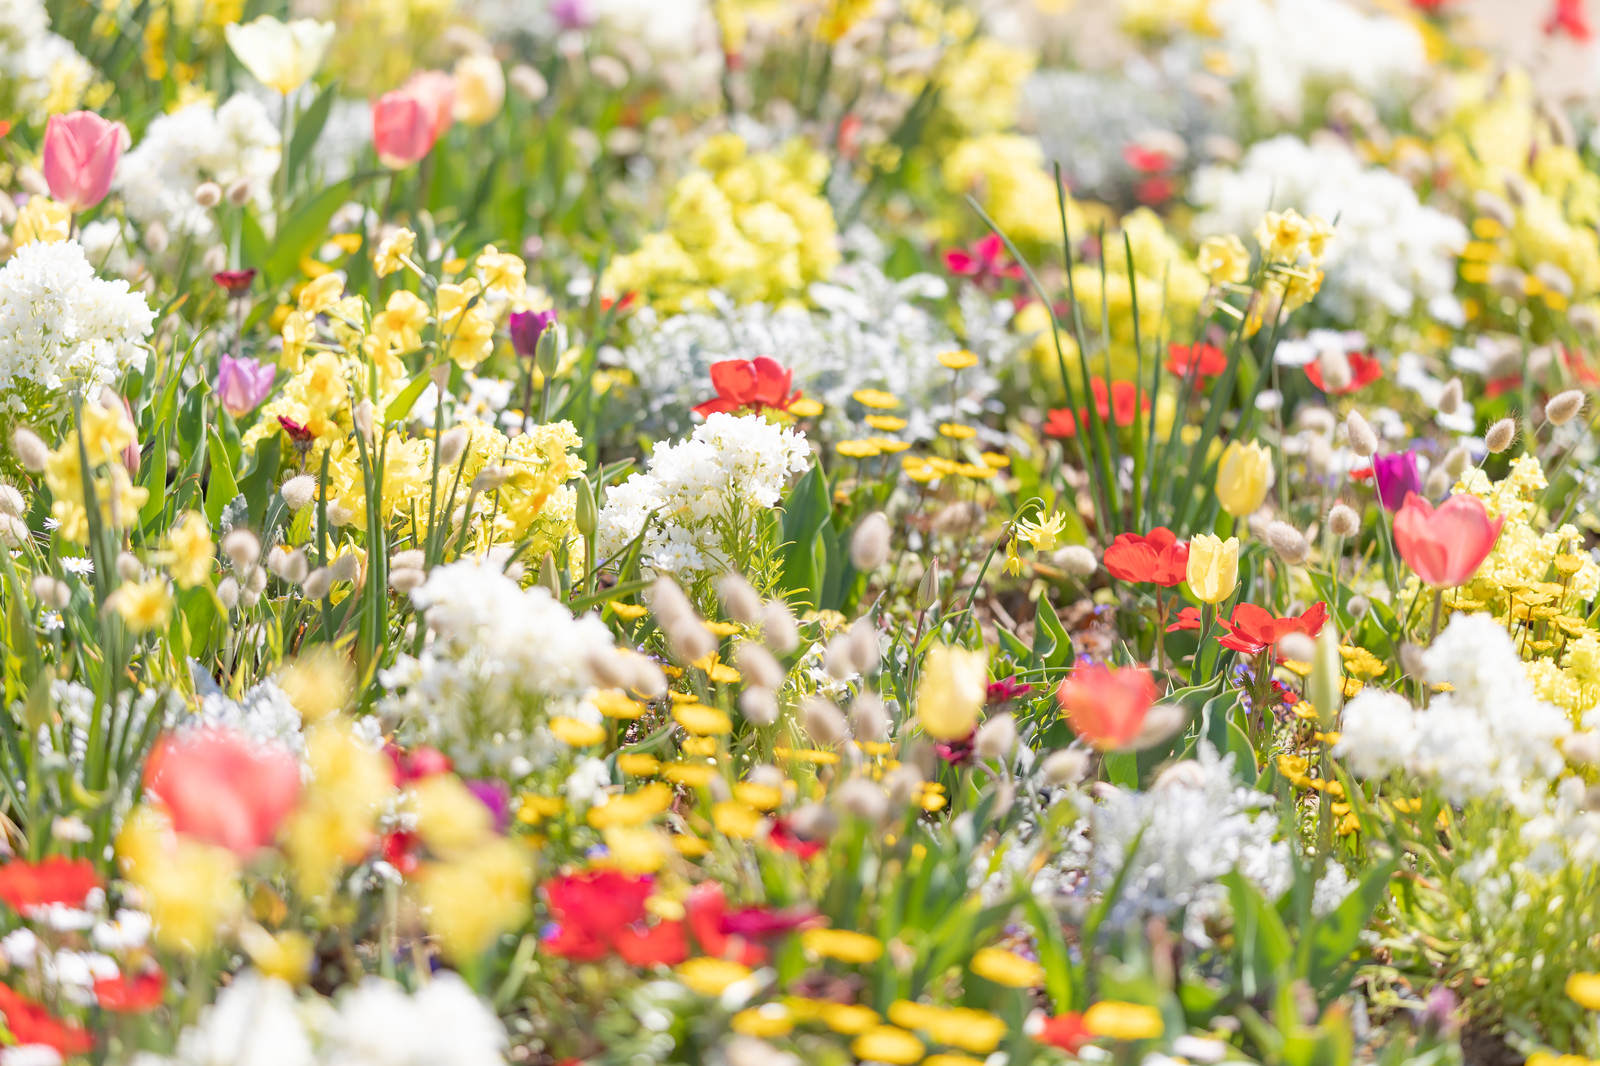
(1107, 706)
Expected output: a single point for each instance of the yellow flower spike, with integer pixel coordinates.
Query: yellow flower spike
(1117, 1020)
(886, 423)
(885, 1043)
(845, 945)
(805, 407)
(575, 732)
(711, 977)
(956, 431)
(689, 774)
(875, 398)
(958, 360)
(858, 449)
(702, 720)
(735, 819)
(638, 764)
(1006, 968)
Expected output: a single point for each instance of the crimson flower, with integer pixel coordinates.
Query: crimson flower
(234, 282)
(985, 262)
(705, 913)
(32, 1023)
(783, 837)
(1188, 619)
(416, 764)
(131, 995)
(1157, 557)
(1253, 629)
(1201, 360)
(592, 909)
(1065, 1031)
(754, 383)
(1568, 17)
(58, 879)
(1006, 689)
(1364, 370)
(1146, 160)
(401, 849)
(297, 432)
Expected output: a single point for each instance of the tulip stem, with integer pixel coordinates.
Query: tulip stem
(1438, 607)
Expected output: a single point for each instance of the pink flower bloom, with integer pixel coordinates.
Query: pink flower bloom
(80, 156)
(1447, 544)
(407, 122)
(243, 383)
(223, 788)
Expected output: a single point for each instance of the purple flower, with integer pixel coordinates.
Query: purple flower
(496, 796)
(243, 383)
(526, 329)
(1396, 475)
(572, 14)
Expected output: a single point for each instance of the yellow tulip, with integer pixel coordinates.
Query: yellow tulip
(480, 89)
(951, 691)
(281, 55)
(1213, 567)
(1243, 477)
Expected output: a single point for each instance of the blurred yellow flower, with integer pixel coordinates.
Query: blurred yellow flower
(951, 691)
(1213, 570)
(1243, 476)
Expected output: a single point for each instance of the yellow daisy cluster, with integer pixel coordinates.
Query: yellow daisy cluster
(1538, 581)
(753, 226)
(106, 432)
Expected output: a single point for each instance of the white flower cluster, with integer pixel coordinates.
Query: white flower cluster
(1389, 253)
(502, 659)
(695, 501)
(40, 72)
(60, 324)
(258, 1021)
(232, 144)
(675, 41)
(1194, 825)
(1489, 737)
(868, 331)
(1291, 49)
(263, 713)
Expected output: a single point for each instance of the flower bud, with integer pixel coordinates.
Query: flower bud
(823, 722)
(778, 627)
(757, 666)
(451, 446)
(1437, 484)
(1065, 767)
(1343, 521)
(228, 592)
(1450, 397)
(996, 738)
(242, 548)
(739, 599)
(52, 592)
(1363, 439)
(869, 547)
(31, 452)
(1500, 435)
(1564, 407)
(1288, 542)
(299, 491)
(869, 719)
(1456, 461)
(928, 587)
(11, 501)
(687, 636)
(862, 638)
(758, 705)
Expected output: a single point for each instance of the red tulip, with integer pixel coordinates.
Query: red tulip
(1568, 17)
(755, 383)
(32, 1023)
(437, 91)
(1445, 545)
(1364, 370)
(1065, 1031)
(223, 788)
(592, 910)
(1253, 629)
(26, 885)
(1157, 557)
(131, 995)
(1106, 706)
(80, 156)
(1201, 360)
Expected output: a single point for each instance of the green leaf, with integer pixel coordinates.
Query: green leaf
(308, 127)
(805, 513)
(1263, 950)
(1337, 934)
(221, 488)
(401, 405)
(300, 233)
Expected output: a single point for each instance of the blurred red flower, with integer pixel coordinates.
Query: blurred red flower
(25, 885)
(1157, 557)
(754, 383)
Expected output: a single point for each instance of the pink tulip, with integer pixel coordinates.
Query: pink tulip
(80, 156)
(223, 788)
(1445, 546)
(407, 122)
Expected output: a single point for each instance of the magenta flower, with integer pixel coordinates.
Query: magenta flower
(243, 383)
(1396, 475)
(526, 328)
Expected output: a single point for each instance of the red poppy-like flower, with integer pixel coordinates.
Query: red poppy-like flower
(1060, 423)
(402, 850)
(1364, 370)
(234, 282)
(25, 885)
(1106, 706)
(1156, 189)
(619, 304)
(1568, 17)
(131, 995)
(32, 1023)
(984, 262)
(756, 383)
(662, 944)
(1201, 360)
(1188, 618)
(706, 912)
(783, 837)
(416, 764)
(1157, 557)
(1253, 629)
(1119, 405)
(1065, 1031)
(592, 909)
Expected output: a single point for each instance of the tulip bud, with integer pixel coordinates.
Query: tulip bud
(242, 548)
(1564, 407)
(951, 691)
(1585, 319)
(1343, 521)
(1363, 439)
(1213, 567)
(31, 452)
(1500, 435)
(548, 577)
(585, 515)
(928, 587)
(996, 738)
(299, 491)
(869, 547)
